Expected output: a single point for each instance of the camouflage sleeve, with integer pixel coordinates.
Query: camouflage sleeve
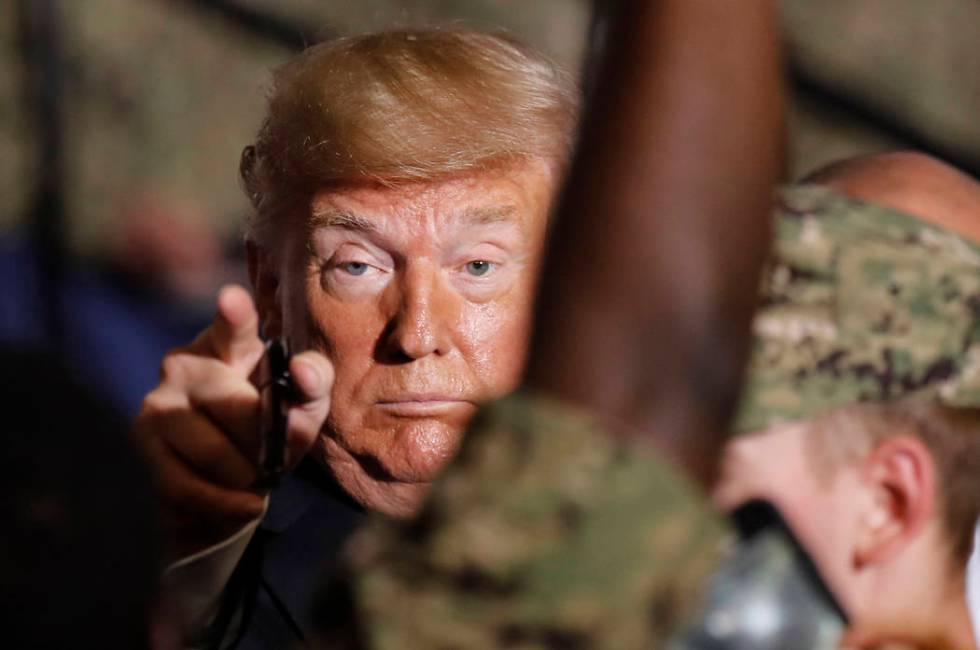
(545, 532)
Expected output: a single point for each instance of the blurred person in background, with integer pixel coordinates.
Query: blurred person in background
(164, 247)
(862, 408)
(80, 553)
(402, 183)
(142, 297)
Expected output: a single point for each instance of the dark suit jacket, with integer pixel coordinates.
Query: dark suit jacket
(267, 604)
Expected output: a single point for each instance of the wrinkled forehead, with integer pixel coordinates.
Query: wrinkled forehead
(516, 196)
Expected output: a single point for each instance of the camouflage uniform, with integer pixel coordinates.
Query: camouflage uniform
(546, 532)
(860, 303)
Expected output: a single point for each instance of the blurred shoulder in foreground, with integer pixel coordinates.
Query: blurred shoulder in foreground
(545, 532)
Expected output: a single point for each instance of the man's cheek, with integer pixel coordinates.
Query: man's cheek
(499, 342)
(344, 331)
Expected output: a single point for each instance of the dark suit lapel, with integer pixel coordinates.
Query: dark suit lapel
(308, 521)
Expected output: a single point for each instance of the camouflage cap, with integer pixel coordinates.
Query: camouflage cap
(860, 302)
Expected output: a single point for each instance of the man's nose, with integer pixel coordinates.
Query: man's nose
(422, 323)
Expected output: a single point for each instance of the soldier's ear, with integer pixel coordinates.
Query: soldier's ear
(263, 272)
(901, 479)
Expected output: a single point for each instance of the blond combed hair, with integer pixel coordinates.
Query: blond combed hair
(952, 436)
(402, 106)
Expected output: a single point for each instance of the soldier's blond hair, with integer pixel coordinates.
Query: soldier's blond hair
(402, 106)
(952, 436)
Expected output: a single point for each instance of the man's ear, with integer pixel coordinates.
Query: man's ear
(263, 273)
(901, 498)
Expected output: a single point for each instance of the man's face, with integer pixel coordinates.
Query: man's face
(778, 465)
(421, 297)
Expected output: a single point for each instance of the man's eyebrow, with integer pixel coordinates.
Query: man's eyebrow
(345, 220)
(489, 215)
(342, 219)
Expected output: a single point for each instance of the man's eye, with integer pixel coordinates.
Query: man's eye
(478, 267)
(354, 268)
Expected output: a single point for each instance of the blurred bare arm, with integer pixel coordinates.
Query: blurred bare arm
(651, 275)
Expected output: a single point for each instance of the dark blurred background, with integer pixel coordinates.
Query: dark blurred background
(121, 123)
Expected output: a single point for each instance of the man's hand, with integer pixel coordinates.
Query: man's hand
(201, 425)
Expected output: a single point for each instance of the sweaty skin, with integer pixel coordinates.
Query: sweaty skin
(420, 296)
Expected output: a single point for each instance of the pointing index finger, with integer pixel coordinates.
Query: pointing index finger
(234, 335)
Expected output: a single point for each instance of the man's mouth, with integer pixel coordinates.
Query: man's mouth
(423, 405)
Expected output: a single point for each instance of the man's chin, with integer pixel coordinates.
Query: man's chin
(370, 482)
(392, 498)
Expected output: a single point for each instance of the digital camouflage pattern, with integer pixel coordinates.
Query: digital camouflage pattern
(544, 533)
(860, 303)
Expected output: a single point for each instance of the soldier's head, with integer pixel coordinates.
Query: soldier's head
(401, 184)
(861, 413)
